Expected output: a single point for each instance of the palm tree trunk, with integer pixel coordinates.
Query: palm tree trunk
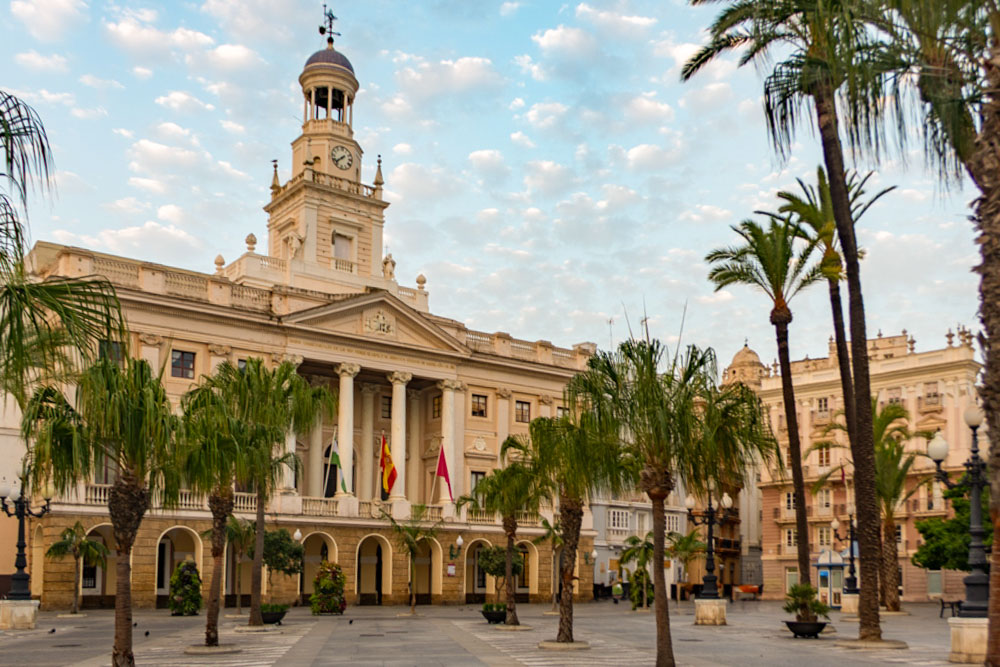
(510, 528)
(127, 503)
(256, 575)
(890, 565)
(863, 447)
(76, 585)
(221, 506)
(413, 583)
(664, 644)
(570, 516)
(238, 569)
(781, 319)
(843, 362)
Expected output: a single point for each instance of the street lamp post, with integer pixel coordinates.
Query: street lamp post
(20, 581)
(851, 582)
(977, 590)
(709, 588)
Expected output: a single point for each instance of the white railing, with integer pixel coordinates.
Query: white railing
(96, 494)
(406, 293)
(183, 284)
(345, 265)
(433, 513)
(527, 518)
(370, 509)
(268, 263)
(123, 273)
(618, 534)
(481, 517)
(319, 506)
(245, 503)
(479, 341)
(523, 349)
(252, 298)
(189, 500)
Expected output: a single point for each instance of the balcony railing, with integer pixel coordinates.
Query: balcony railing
(481, 517)
(319, 506)
(371, 509)
(245, 503)
(96, 494)
(433, 513)
(189, 500)
(528, 518)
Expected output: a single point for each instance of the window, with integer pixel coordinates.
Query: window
(562, 412)
(436, 407)
(791, 577)
(823, 536)
(823, 404)
(476, 478)
(341, 246)
(933, 582)
(931, 395)
(478, 405)
(618, 519)
(640, 523)
(241, 364)
(182, 364)
(522, 411)
(110, 349)
(895, 395)
(790, 501)
(899, 533)
(387, 407)
(824, 498)
(823, 456)
(791, 537)
(673, 523)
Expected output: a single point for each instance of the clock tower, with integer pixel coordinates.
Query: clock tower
(324, 221)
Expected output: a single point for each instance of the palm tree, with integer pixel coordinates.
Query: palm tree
(240, 534)
(268, 403)
(507, 491)
(640, 550)
(813, 211)
(892, 468)
(213, 461)
(826, 49)
(552, 534)
(409, 534)
(120, 415)
(769, 261)
(579, 457)
(73, 542)
(684, 549)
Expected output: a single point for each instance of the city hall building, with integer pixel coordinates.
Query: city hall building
(319, 292)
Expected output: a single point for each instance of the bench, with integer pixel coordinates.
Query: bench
(739, 592)
(955, 604)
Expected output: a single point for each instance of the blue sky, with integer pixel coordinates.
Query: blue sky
(547, 169)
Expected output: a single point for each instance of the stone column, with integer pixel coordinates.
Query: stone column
(315, 468)
(414, 473)
(398, 431)
(288, 476)
(503, 419)
(447, 388)
(345, 425)
(366, 474)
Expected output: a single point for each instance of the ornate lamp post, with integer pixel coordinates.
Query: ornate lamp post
(20, 507)
(977, 590)
(710, 588)
(851, 582)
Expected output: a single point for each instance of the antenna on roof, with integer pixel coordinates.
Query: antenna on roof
(327, 29)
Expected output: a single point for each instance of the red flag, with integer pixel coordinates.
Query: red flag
(388, 469)
(843, 478)
(442, 471)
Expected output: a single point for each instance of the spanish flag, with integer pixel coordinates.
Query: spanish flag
(388, 469)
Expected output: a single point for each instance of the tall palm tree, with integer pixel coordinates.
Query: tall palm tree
(684, 549)
(507, 491)
(579, 457)
(892, 470)
(552, 534)
(825, 46)
(213, 461)
(769, 261)
(409, 535)
(240, 534)
(73, 541)
(120, 415)
(640, 550)
(813, 211)
(268, 403)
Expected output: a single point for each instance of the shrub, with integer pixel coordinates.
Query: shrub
(636, 579)
(328, 590)
(185, 590)
(499, 606)
(801, 601)
(273, 608)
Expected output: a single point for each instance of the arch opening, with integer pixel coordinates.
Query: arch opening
(373, 579)
(319, 548)
(97, 583)
(176, 544)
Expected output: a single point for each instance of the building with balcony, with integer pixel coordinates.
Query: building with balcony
(935, 387)
(322, 295)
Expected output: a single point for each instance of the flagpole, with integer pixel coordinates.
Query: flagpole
(435, 481)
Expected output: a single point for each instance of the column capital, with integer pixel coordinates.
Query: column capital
(545, 399)
(220, 350)
(294, 359)
(368, 389)
(150, 339)
(399, 377)
(348, 370)
(413, 394)
(453, 385)
(504, 392)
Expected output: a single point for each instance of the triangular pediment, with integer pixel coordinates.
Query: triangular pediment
(380, 317)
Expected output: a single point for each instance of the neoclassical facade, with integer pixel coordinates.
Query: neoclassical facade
(322, 294)
(935, 387)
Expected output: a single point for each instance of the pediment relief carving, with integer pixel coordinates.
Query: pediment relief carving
(379, 321)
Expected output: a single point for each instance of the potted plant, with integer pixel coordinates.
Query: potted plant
(495, 613)
(273, 613)
(801, 601)
(185, 590)
(328, 590)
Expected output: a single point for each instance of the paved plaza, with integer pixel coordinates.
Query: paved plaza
(457, 635)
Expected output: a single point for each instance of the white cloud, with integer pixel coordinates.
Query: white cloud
(122, 132)
(509, 8)
(649, 157)
(229, 170)
(530, 67)
(226, 57)
(49, 20)
(516, 103)
(127, 206)
(547, 177)
(90, 114)
(169, 241)
(715, 298)
(411, 181)
(152, 157)
(489, 163)
(426, 81)
(230, 126)
(148, 184)
(45, 97)
(521, 139)
(545, 115)
(402, 149)
(707, 98)
(178, 100)
(621, 24)
(261, 19)
(171, 213)
(173, 131)
(98, 83)
(142, 72)
(645, 109)
(573, 43)
(136, 36)
(706, 213)
(34, 60)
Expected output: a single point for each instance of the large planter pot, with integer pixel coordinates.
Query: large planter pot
(271, 617)
(494, 617)
(806, 629)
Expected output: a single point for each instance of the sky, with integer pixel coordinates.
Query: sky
(547, 170)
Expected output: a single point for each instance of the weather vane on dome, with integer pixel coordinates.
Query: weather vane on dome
(328, 28)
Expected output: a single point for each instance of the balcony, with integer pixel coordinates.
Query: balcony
(319, 506)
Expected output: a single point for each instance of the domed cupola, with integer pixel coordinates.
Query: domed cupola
(328, 84)
(746, 368)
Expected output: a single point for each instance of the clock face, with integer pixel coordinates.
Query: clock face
(342, 157)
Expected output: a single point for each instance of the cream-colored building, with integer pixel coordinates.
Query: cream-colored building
(321, 293)
(935, 387)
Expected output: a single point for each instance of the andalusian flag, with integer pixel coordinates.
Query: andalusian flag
(388, 469)
(335, 461)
